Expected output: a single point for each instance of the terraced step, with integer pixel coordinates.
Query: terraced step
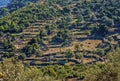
(29, 33)
(19, 46)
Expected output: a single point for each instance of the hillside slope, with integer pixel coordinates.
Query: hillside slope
(61, 33)
(58, 27)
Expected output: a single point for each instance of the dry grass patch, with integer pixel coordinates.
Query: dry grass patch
(88, 44)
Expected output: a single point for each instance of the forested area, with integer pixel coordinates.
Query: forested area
(70, 39)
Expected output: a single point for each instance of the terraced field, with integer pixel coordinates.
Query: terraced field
(89, 41)
(28, 34)
(55, 53)
(60, 40)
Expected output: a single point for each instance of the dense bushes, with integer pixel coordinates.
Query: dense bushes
(11, 70)
(64, 35)
(22, 18)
